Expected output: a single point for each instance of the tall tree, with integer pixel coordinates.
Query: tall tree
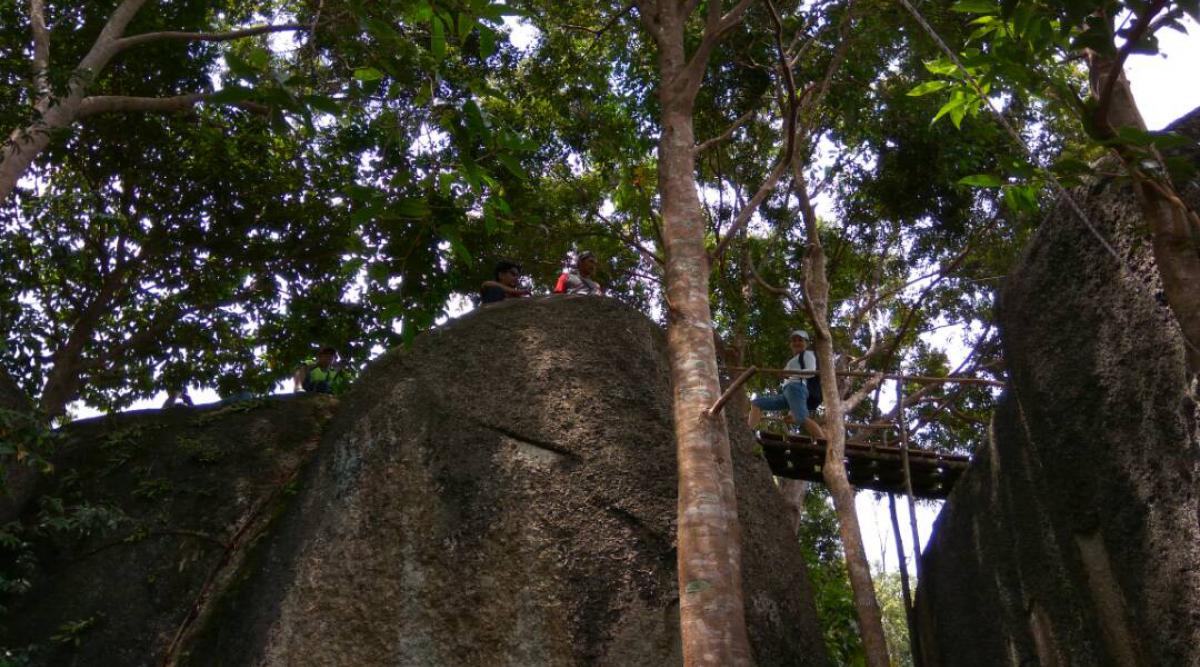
(57, 97)
(214, 247)
(712, 613)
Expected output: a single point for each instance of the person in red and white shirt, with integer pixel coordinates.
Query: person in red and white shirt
(580, 280)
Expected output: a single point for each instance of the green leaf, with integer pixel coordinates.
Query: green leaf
(259, 58)
(513, 165)
(437, 39)
(1021, 198)
(239, 66)
(975, 7)
(956, 102)
(367, 74)
(424, 95)
(466, 24)
(487, 42)
(323, 103)
(957, 114)
(364, 215)
(410, 208)
(981, 180)
(378, 271)
(941, 66)
(461, 252)
(928, 87)
(231, 94)
(476, 122)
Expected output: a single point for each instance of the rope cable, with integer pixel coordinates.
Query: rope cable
(1064, 195)
(1008, 128)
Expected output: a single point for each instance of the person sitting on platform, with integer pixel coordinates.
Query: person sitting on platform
(794, 394)
(504, 286)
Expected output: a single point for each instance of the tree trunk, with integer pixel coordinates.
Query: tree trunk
(816, 289)
(712, 614)
(1175, 233)
(794, 492)
(910, 617)
(870, 618)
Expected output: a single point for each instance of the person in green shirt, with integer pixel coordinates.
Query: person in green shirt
(323, 377)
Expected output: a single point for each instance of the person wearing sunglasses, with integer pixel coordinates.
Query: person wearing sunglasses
(505, 286)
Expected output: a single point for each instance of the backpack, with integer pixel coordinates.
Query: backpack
(814, 391)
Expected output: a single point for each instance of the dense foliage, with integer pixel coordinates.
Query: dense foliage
(349, 180)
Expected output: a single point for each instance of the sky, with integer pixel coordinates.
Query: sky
(1160, 85)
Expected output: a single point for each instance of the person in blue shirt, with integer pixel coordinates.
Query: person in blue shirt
(796, 394)
(506, 275)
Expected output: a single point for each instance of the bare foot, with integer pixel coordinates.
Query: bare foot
(755, 416)
(814, 428)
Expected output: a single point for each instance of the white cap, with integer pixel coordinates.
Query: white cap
(799, 332)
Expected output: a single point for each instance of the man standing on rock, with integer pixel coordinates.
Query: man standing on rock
(580, 280)
(794, 395)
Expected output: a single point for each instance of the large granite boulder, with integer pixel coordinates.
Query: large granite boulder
(503, 493)
(155, 511)
(1073, 539)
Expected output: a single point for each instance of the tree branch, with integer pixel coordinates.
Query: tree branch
(724, 136)
(751, 206)
(98, 104)
(852, 401)
(597, 33)
(103, 49)
(1136, 33)
(649, 20)
(646, 253)
(41, 50)
(715, 27)
(733, 17)
(179, 36)
(789, 80)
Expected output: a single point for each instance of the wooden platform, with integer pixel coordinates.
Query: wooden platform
(874, 467)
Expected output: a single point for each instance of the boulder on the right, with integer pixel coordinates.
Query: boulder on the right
(1074, 539)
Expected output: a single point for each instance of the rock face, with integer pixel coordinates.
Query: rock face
(19, 480)
(1073, 539)
(501, 494)
(173, 498)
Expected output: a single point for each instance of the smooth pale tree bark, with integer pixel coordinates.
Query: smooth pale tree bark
(794, 491)
(712, 613)
(1174, 228)
(53, 114)
(816, 291)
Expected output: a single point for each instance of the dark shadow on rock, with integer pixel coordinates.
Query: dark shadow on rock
(1072, 540)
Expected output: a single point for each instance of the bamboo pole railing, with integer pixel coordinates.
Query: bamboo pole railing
(928, 379)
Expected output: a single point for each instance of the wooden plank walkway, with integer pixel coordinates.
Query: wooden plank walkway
(875, 467)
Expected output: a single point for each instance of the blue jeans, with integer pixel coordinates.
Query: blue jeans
(794, 398)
